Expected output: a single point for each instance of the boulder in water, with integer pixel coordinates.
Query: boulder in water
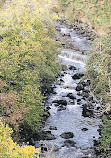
(46, 135)
(79, 87)
(67, 135)
(87, 110)
(72, 68)
(69, 143)
(62, 102)
(61, 107)
(56, 148)
(90, 98)
(71, 96)
(53, 128)
(77, 76)
(84, 129)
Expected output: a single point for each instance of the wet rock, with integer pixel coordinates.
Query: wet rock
(44, 149)
(79, 87)
(53, 128)
(46, 115)
(86, 90)
(62, 102)
(71, 96)
(96, 142)
(56, 104)
(61, 108)
(48, 108)
(46, 135)
(87, 110)
(85, 129)
(69, 143)
(67, 135)
(90, 98)
(77, 76)
(83, 83)
(54, 92)
(62, 75)
(72, 102)
(88, 82)
(61, 80)
(79, 93)
(56, 148)
(72, 68)
(86, 94)
(78, 100)
(66, 34)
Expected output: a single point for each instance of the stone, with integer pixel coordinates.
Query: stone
(88, 82)
(46, 135)
(56, 104)
(69, 143)
(62, 102)
(53, 128)
(48, 108)
(90, 98)
(71, 96)
(44, 149)
(79, 87)
(87, 110)
(77, 76)
(78, 100)
(61, 107)
(46, 115)
(61, 80)
(86, 94)
(67, 135)
(56, 148)
(72, 68)
(84, 129)
(86, 90)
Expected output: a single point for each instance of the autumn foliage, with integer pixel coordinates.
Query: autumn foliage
(9, 149)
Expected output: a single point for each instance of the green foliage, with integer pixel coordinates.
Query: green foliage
(28, 57)
(99, 68)
(99, 71)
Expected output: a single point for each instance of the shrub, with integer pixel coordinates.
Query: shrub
(10, 149)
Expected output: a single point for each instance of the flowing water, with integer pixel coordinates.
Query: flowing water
(71, 119)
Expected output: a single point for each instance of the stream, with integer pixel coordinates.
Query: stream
(72, 126)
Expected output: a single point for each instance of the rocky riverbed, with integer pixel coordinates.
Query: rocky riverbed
(72, 125)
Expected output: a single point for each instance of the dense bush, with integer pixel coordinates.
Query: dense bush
(28, 58)
(99, 68)
(99, 71)
(9, 149)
